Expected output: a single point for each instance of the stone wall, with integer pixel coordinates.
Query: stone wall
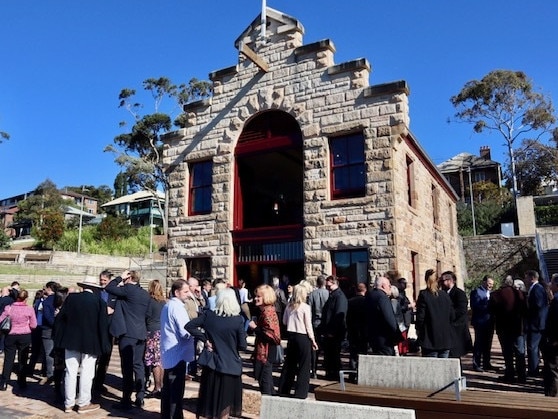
(499, 255)
(326, 100)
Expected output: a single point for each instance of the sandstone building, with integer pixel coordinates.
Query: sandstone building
(297, 167)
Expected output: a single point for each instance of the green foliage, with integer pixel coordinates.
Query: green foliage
(4, 241)
(46, 197)
(136, 244)
(120, 185)
(535, 163)
(114, 227)
(505, 102)
(139, 150)
(546, 215)
(489, 215)
(50, 231)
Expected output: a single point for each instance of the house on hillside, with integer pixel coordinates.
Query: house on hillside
(140, 208)
(465, 169)
(298, 167)
(16, 229)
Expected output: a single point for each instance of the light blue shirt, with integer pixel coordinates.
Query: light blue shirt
(176, 343)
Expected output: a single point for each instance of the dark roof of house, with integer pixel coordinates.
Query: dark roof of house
(464, 161)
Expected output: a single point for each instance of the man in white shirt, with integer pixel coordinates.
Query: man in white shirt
(177, 350)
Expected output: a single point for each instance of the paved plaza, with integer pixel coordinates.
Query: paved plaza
(39, 401)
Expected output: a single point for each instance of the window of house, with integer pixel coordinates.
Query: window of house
(435, 205)
(411, 196)
(198, 268)
(479, 176)
(348, 171)
(351, 267)
(200, 187)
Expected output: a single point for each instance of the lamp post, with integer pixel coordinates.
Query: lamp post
(80, 220)
(472, 202)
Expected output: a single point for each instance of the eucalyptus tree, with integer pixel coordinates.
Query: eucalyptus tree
(139, 151)
(506, 102)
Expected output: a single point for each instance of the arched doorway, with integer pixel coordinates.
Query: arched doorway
(268, 200)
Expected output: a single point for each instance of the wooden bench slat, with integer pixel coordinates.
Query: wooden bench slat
(473, 404)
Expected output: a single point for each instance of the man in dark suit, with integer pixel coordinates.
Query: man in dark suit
(550, 343)
(104, 360)
(537, 309)
(333, 328)
(483, 323)
(508, 306)
(356, 326)
(82, 330)
(128, 324)
(461, 337)
(382, 326)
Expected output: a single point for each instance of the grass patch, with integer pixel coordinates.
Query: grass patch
(25, 270)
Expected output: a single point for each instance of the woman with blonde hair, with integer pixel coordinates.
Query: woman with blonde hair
(301, 341)
(222, 331)
(152, 357)
(434, 317)
(268, 336)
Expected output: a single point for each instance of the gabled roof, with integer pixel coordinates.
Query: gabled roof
(465, 160)
(135, 197)
(287, 23)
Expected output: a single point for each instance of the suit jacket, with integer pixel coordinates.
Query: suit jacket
(383, 330)
(82, 324)
(130, 311)
(227, 336)
(481, 315)
(434, 320)
(462, 342)
(537, 308)
(334, 315)
(508, 307)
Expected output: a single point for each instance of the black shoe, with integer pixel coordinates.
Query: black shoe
(154, 395)
(477, 368)
(507, 379)
(139, 403)
(122, 406)
(3, 386)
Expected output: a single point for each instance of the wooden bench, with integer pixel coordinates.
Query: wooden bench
(9, 257)
(474, 404)
(409, 372)
(37, 257)
(273, 407)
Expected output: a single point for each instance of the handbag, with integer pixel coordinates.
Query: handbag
(6, 325)
(207, 359)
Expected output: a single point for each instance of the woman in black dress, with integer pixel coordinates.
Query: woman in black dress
(220, 392)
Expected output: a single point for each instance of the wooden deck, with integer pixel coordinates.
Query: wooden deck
(474, 403)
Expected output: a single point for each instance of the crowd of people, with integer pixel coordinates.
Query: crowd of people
(199, 330)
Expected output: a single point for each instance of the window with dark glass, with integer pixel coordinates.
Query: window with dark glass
(348, 171)
(350, 267)
(200, 187)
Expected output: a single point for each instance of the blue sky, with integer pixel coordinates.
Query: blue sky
(64, 62)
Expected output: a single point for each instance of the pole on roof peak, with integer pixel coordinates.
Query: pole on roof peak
(263, 20)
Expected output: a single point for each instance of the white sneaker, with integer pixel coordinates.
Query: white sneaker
(89, 408)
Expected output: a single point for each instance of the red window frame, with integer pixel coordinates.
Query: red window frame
(201, 185)
(348, 166)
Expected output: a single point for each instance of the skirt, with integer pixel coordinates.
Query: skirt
(218, 394)
(152, 355)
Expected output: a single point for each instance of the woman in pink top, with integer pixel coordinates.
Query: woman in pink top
(19, 339)
(298, 320)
